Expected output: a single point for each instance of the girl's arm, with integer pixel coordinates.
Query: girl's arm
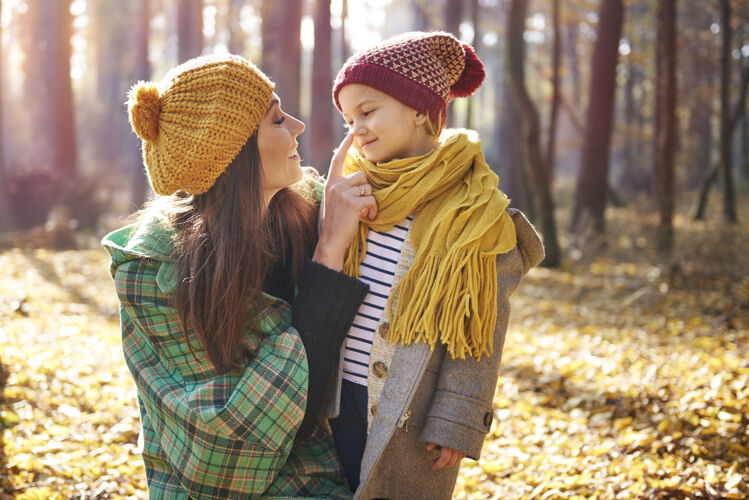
(461, 411)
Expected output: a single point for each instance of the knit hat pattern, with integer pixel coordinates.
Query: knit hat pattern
(423, 70)
(196, 120)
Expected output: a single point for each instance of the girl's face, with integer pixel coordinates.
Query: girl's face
(277, 144)
(384, 129)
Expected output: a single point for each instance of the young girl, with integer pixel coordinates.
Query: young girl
(419, 364)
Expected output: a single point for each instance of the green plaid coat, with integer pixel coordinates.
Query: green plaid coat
(205, 434)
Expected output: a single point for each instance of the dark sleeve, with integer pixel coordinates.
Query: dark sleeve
(322, 313)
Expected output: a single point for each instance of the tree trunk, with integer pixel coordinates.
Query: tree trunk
(189, 29)
(590, 198)
(710, 178)
(453, 17)
(268, 33)
(344, 40)
(733, 119)
(34, 90)
(139, 181)
(143, 36)
(6, 215)
(665, 122)
(745, 145)
(726, 130)
(321, 134)
(744, 116)
(511, 161)
(475, 9)
(700, 128)
(571, 46)
(420, 17)
(58, 92)
(630, 111)
(556, 88)
(289, 69)
(539, 173)
(108, 37)
(282, 49)
(236, 35)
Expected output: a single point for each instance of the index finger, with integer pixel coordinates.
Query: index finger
(336, 164)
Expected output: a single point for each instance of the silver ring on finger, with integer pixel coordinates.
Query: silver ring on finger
(362, 191)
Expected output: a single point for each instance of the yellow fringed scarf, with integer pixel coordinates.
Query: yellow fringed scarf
(450, 292)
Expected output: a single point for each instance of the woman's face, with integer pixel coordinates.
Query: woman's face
(277, 144)
(384, 128)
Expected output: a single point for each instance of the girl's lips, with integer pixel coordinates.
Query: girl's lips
(368, 143)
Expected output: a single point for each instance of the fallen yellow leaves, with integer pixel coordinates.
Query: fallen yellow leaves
(625, 379)
(68, 407)
(621, 378)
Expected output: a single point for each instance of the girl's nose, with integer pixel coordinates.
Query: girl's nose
(358, 128)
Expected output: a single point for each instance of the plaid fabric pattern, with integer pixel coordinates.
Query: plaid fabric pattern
(211, 435)
(308, 472)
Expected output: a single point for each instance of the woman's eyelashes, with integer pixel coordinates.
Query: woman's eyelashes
(280, 120)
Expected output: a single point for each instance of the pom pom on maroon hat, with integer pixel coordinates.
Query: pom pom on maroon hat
(472, 77)
(423, 70)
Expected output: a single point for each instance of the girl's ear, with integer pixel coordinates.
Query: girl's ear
(420, 119)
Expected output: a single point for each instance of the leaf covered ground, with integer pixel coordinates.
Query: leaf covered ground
(623, 376)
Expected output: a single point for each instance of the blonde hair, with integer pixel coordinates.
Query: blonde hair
(433, 125)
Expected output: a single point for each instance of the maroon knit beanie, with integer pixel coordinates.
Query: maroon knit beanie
(424, 71)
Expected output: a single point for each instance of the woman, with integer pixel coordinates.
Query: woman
(220, 302)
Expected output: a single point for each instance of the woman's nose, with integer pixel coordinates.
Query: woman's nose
(298, 126)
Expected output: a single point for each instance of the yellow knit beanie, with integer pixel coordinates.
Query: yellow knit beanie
(195, 121)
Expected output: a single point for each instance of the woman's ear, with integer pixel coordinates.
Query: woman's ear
(420, 119)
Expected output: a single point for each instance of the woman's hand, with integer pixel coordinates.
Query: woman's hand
(346, 199)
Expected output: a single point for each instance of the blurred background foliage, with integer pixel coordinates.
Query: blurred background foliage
(587, 104)
(621, 127)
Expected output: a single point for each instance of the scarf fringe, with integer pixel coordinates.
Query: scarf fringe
(449, 294)
(456, 314)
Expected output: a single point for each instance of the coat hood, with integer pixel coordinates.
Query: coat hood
(152, 239)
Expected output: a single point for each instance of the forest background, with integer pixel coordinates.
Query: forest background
(621, 127)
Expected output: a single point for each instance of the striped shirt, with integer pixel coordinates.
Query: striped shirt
(377, 270)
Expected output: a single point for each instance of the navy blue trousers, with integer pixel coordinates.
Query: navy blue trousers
(350, 430)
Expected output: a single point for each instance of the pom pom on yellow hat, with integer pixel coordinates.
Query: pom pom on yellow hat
(195, 121)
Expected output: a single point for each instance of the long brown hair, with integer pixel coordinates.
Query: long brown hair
(226, 243)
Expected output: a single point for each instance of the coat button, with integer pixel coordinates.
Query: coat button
(383, 330)
(379, 369)
(373, 410)
(487, 419)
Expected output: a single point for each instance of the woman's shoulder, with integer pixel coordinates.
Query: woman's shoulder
(149, 241)
(149, 237)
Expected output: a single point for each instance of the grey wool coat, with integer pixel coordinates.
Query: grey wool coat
(418, 396)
